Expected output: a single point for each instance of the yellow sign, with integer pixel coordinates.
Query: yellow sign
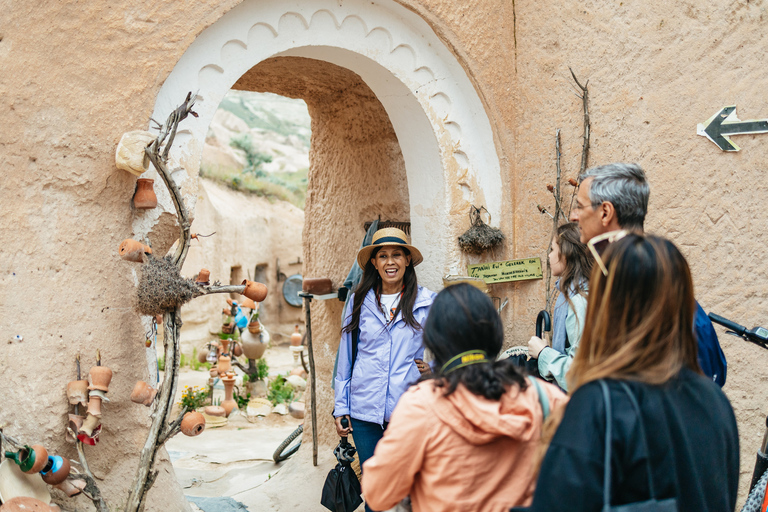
(504, 271)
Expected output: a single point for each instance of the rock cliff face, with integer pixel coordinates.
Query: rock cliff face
(254, 238)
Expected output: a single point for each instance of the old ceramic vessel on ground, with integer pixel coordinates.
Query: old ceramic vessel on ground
(257, 292)
(131, 250)
(193, 424)
(144, 198)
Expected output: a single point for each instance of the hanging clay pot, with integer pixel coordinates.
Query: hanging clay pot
(100, 376)
(257, 292)
(56, 471)
(193, 424)
(25, 458)
(130, 155)
(71, 487)
(254, 327)
(203, 277)
(248, 304)
(131, 250)
(228, 328)
(94, 406)
(202, 356)
(77, 392)
(91, 422)
(253, 348)
(296, 337)
(224, 364)
(237, 349)
(229, 403)
(143, 393)
(145, 197)
(41, 457)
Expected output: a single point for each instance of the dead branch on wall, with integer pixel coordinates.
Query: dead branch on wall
(162, 427)
(556, 189)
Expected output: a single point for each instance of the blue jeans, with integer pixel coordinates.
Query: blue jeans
(365, 436)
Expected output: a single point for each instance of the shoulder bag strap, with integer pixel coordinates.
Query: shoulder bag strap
(636, 407)
(608, 434)
(355, 341)
(543, 398)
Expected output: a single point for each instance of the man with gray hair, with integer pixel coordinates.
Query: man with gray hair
(615, 196)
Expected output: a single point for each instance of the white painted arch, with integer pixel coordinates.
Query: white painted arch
(444, 133)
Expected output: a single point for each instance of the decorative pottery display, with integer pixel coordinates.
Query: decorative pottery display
(296, 409)
(296, 336)
(296, 351)
(193, 424)
(248, 304)
(203, 277)
(41, 457)
(229, 403)
(202, 356)
(100, 376)
(94, 406)
(130, 155)
(225, 345)
(254, 327)
(25, 458)
(14, 483)
(215, 410)
(228, 328)
(143, 393)
(90, 424)
(145, 197)
(253, 346)
(237, 349)
(131, 250)
(56, 471)
(257, 292)
(77, 392)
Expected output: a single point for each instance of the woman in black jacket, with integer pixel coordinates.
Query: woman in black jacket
(673, 432)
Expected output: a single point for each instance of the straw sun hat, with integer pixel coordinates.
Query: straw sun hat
(388, 236)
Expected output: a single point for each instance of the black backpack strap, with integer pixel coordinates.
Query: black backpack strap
(355, 341)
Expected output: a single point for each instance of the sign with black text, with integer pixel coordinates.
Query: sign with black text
(505, 271)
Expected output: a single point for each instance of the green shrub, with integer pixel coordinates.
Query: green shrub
(262, 369)
(280, 392)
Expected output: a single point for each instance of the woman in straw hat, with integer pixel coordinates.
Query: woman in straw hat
(380, 354)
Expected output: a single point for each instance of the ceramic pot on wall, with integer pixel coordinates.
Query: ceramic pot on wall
(56, 471)
(145, 197)
(229, 403)
(203, 277)
(143, 393)
(193, 424)
(131, 250)
(77, 392)
(100, 376)
(257, 292)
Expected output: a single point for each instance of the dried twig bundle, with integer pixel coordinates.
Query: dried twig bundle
(480, 236)
(161, 287)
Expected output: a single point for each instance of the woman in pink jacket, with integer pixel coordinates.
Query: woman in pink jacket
(464, 438)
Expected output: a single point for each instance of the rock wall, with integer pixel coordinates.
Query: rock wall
(250, 232)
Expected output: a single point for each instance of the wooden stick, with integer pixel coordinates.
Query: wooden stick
(313, 401)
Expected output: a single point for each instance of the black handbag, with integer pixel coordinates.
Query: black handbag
(651, 505)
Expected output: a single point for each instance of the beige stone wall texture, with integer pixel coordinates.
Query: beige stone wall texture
(250, 231)
(76, 76)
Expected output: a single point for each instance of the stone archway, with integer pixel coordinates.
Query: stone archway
(445, 136)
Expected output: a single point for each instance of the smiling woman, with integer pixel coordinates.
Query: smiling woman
(381, 350)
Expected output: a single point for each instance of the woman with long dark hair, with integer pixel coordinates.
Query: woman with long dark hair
(571, 263)
(465, 438)
(381, 351)
(643, 423)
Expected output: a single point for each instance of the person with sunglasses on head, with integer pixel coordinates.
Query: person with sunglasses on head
(644, 429)
(614, 197)
(381, 351)
(571, 262)
(465, 437)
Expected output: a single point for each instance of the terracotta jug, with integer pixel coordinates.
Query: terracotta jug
(193, 424)
(229, 403)
(237, 349)
(131, 250)
(224, 364)
(57, 470)
(253, 348)
(296, 337)
(143, 393)
(100, 376)
(257, 292)
(145, 197)
(77, 392)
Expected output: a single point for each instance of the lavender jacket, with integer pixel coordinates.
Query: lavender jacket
(384, 369)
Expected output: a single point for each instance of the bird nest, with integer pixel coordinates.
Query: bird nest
(480, 236)
(161, 287)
